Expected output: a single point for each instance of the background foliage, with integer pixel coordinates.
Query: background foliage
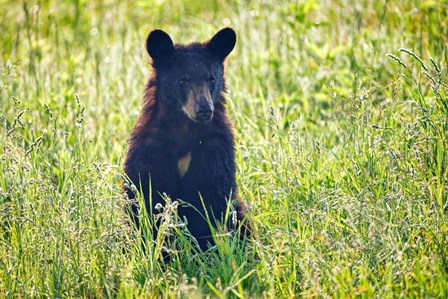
(341, 116)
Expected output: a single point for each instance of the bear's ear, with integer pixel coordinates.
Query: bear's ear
(159, 45)
(222, 43)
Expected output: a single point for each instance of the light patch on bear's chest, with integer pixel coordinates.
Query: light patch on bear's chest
(183, 164)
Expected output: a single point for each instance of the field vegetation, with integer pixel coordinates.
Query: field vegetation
(340, 110)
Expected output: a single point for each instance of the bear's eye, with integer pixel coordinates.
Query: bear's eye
(211, 82)
(183, 81)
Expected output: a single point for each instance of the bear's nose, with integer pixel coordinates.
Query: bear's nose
(204, 112)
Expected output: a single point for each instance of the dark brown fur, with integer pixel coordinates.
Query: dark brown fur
(165, 134)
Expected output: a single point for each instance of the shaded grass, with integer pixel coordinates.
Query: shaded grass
(342, 149)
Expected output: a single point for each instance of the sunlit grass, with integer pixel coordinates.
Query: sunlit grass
(341, 117)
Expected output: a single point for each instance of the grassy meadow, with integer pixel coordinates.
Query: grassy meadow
(341, 118)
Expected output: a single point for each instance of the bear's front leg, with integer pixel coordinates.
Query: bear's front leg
(210, 176)
(152, 169)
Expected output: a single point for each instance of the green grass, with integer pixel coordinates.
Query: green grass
(342, 149)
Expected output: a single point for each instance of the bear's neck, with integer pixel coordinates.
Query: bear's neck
(180, 131)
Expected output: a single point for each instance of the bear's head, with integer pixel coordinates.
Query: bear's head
(190, 78)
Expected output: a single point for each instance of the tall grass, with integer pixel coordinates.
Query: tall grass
(341, 116)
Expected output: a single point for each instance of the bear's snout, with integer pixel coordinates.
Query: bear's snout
(199, 106)
(204, 111)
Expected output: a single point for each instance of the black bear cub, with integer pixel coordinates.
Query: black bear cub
(182, 144)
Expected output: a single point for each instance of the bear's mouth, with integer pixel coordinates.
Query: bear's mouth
(199, 106)
(200, 116)
(204, 112)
